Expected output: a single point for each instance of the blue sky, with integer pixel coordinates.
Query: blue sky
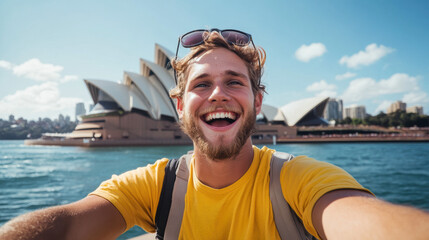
(368, 53)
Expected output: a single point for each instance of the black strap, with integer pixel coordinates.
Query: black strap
(164, 203)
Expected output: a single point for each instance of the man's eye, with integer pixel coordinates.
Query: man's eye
(201, 85)
(235, 82)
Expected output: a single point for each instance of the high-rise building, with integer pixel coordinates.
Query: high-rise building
(355, 112)
(334, 109)
(61, 120)
(80, 110)
(415, 109)
(397, 106)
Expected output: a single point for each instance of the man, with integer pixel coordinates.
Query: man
(218, 97)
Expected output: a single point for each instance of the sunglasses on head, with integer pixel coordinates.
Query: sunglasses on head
(196, 37)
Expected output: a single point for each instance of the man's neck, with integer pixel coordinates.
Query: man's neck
(224, 172)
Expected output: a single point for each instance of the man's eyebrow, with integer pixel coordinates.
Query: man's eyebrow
(234, 73)
(227, 72)
(204, 75)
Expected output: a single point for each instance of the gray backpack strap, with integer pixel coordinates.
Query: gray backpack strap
(175, 215)
(287, 222)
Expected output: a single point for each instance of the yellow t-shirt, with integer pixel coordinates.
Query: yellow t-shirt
(240, 211)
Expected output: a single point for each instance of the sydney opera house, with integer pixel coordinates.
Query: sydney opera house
(138, 111)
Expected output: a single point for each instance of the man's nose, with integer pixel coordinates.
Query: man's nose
(219, 95)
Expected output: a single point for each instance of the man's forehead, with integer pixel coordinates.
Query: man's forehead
(215, 54)
(217, 61)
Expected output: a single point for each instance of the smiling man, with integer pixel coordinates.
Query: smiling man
(227, 190)
(218, 108)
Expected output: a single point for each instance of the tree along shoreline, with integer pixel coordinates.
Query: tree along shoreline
(396, 119)
(20, 129)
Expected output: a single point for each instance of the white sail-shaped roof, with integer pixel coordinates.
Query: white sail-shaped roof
(124, 96)
(153, 91)
(163, 56)
(162, 74)
(143, 92)
(272, 113)
(295, 111)
(149, 91)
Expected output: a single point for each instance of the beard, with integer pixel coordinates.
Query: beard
(222, 150)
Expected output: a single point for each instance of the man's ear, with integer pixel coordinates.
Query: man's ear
(258, 102)
(179, 107)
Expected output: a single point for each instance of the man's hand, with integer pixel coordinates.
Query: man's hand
(90, 218)
(352, 214)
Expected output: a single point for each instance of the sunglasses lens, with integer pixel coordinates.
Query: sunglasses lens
(237, 38)
(193, 38)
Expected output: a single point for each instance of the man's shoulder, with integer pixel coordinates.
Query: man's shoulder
(269, 153)
(154, 171)
(157, 167)
(160, 162)
(263, 152)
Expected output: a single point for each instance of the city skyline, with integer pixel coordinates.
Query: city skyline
(366, 53)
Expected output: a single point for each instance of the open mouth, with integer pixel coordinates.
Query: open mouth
(220, 119)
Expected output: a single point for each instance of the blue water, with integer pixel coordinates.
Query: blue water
(34, 177)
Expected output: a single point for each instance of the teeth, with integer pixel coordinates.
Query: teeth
(220, 115)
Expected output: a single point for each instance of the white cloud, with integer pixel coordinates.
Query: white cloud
(418, 97)
(42, 100)
(371, 54)
(69, 78)
(399, 82)
(366, 88)
(320, 86)
(5, 64)
(359, 89)
(323, 89)
(306, 53)
(36, 70)
(382, 107)
(327, 93)
(345, 76)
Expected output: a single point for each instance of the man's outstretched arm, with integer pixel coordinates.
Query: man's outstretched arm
(90, 218)
(352, 214)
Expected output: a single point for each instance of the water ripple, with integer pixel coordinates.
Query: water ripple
(33, 177)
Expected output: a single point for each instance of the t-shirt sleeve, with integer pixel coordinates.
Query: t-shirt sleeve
(305, 180)
(136, 194)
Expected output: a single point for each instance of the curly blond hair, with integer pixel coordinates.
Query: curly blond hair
(248, 54)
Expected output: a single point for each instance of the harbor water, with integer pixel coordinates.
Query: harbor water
(34, 177)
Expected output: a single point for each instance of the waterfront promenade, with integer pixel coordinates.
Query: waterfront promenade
(354, 138)
(299, 139)
(301, 135)
(358, 134)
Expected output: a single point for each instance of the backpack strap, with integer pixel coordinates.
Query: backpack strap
(172, 198)
(287, 222)
(164, 203)
(174, 223)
